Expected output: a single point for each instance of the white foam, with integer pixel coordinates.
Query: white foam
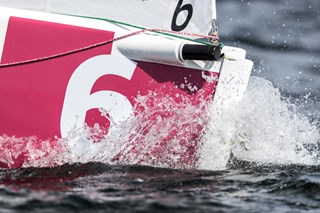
(263, 127)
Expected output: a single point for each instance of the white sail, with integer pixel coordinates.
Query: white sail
(193, 16)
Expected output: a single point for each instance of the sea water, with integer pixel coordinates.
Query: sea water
(261, 155)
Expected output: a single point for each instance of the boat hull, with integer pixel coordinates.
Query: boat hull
(55, 79)
(39, 98)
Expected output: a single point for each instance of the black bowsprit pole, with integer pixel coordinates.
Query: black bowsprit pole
(201, 52)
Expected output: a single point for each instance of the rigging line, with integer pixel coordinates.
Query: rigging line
(170, 33)
(58, 55)
(40, 59)
(142, 30)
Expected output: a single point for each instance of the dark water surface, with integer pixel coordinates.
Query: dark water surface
(282, 37)
(97, 187)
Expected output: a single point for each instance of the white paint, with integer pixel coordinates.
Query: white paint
(234, 52)
(150, 47)
(78, 99)
(60, 19)
(152, 14)
(4, 20)
(233, 82)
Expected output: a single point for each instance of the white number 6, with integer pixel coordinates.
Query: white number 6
(78, 99)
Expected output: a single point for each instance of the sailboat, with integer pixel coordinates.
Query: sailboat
(66, 65)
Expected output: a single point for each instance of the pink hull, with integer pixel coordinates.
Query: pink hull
(33, 96)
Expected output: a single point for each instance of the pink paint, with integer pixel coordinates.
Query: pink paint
(32, 95)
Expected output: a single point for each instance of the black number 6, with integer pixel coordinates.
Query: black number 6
(179, 9)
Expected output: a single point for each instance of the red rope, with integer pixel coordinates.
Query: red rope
(35, 60)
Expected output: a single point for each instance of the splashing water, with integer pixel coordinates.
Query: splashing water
(165, 133)
(14, 151)
(263, 127)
